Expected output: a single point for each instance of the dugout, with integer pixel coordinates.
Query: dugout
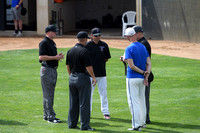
(175, 20)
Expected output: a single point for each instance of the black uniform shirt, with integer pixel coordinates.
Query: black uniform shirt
(98, 53)
(146, 44)
(78, 59)
(48, 47)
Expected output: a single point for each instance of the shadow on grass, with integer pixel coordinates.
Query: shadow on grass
(6, 122)
(155, 130)
(116, 120)
(176, 125)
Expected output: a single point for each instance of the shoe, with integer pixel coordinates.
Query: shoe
(89, 129)
(14, 34)
(144, 126)
(135, 129)
(107, 117)
(54, 121)
(19, 34)
(45, 118)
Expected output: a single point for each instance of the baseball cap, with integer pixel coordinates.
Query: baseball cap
(96, 32)
(129, 32)
(50, 28)
(137, 28)
(82, 34)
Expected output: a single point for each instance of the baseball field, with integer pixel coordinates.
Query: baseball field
(174, 96)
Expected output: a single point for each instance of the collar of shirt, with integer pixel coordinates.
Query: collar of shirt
(51, 41)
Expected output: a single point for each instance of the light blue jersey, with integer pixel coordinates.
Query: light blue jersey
(15, 2)
(138, 53)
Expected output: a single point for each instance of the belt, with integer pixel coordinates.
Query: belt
(45, 65)
(77, 73)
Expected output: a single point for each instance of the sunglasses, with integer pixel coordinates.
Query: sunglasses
(97, 35)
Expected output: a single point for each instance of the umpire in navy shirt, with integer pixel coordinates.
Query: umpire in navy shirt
(142, 39)
(78, 66)
(49, 58)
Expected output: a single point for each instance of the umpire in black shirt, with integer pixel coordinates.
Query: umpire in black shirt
(78, 66)
(142, 39)
(49, 58)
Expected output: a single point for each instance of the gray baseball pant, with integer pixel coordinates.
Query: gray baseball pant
(79, 98)
(147, 94)
(48, 81)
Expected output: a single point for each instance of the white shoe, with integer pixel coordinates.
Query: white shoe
(136, 129)
(14, 34)
(19, 34)
(144, 126)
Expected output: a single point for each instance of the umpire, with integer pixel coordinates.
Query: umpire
(49, 58)
(78, 66)
(142, 39)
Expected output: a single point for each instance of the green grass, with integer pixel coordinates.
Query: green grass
(175, 96)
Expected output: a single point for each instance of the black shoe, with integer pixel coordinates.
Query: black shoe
(54, 121)
(45, 118)
(89, 129)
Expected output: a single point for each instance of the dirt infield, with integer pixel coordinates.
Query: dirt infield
(178, 49)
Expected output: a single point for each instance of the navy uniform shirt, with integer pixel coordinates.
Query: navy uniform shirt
(78, 59)
(98, 53)
(48, 47)
(146, 44)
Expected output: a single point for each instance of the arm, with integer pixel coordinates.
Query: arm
(147, 72)
(20, 2)
(68, 69)
(90, 71)
(47, 58)
(133, 67)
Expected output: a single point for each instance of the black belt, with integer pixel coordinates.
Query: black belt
(79, 73)
(45, 65)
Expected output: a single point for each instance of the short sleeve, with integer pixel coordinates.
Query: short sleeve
(128, 54)
(42, 48)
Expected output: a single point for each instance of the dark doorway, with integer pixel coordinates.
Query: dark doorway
(29, 20)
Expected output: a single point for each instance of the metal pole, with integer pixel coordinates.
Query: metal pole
(139, 12)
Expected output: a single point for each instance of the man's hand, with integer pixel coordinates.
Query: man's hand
(94, 81)
(17, 6)
(146, 83)
(145, 73)
(60, 56)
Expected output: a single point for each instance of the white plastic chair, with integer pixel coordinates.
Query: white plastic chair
(130, 20)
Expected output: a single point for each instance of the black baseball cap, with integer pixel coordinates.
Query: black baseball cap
(50, 28)
(96, 32)
(138, 28)
(82, 34)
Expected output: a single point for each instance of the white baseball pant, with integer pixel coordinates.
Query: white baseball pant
(102, 87)
(136, 100)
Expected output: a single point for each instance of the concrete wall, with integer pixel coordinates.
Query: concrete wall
(175, 20)
(42, 16)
